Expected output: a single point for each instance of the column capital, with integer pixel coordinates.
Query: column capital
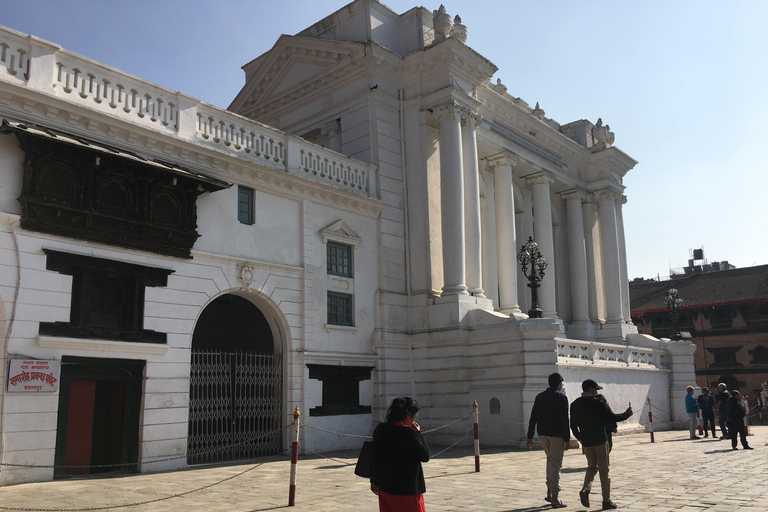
(623, 199)
(574, 194)
(502, 160)
(607, 194)
(470, 117)
(539, 178)
(449, 110)
(332, 129)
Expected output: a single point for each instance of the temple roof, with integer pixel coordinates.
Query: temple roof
(708, 289)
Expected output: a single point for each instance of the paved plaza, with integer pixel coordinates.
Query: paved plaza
(673, 474)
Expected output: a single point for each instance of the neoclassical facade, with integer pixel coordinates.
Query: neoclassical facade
(344, 233)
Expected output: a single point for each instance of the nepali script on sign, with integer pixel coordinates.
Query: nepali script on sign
(30, 375)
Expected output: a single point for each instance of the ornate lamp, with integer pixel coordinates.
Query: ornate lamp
(530, 256)
(674, 303)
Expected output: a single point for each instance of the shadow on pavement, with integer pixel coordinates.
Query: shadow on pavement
(724, 450)
(573, 470)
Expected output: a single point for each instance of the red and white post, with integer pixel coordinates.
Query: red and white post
(294, 457)
(745, 404)
(650, 418)
(698, 420)
(476, 417)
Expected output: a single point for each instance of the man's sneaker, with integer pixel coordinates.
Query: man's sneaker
(609, 505)
(584, 497)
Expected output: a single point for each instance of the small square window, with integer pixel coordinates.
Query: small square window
(340, 309)
(245, 205)
(339, 258)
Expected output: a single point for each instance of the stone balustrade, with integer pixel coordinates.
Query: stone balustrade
(48, 69)
(580, 352)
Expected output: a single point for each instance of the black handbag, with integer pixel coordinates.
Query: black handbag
(365, 465)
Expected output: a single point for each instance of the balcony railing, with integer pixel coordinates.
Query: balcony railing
(47, 69)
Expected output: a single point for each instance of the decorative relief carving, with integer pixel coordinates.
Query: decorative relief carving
(246, 275)
(537, 112)
(574, 194)
(331, 130)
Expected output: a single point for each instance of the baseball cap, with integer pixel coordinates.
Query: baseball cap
(589, 383)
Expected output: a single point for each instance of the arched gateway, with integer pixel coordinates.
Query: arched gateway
(235, 391)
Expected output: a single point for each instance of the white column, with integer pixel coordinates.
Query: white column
(625, 307)
(473, 240)
(451, 199)
(490, 271)
(609, 245)
(332, 130)
(506, 241)
(543, 236)
(577, 257)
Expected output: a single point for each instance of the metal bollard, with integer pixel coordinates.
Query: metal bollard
(294, 457)
(476, 416)
(650, 417)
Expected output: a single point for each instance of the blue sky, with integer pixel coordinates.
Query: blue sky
(681, 83)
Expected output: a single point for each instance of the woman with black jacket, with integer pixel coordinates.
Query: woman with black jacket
(399, 449)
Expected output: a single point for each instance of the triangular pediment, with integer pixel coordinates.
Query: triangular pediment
(293, 63)
(339, 231)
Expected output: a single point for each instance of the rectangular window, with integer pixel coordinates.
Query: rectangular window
(339, 259)
(340, 309)
(107, 298)
(245, 205)
(341, 389)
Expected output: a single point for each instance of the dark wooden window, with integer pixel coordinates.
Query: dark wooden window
(759, 355)
(104, 195)
(341, 389)
(245, 205)
(339, 259)
(725, 357)
(107, 298)
(340, 309)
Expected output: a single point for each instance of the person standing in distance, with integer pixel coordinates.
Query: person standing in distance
(722, 405)
(692, 409)
(399, 449)
(549, 417)
(590, 416)
(707, 407)
(736, 428)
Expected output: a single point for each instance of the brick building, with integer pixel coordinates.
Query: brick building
(726, 313)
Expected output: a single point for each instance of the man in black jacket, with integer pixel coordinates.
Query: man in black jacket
(590, 417)
(722, 405)
(735, 413)
(549, 417)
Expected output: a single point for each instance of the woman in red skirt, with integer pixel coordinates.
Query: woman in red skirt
(399, 449)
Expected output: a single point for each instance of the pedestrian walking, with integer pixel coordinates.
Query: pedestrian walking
(589, 417)
(707, 408)
(722, 400)
(399, 449)
(736, 427)
(549, 417)
(692, 409)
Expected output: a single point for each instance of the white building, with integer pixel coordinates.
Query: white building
(190, 275)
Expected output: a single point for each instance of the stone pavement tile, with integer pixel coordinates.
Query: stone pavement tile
(671, 475)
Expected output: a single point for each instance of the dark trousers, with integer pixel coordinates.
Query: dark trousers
(723, 419)
(740, 429)
(708, 420)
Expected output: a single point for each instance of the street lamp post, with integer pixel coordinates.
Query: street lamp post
(530, 256)
(674, 303)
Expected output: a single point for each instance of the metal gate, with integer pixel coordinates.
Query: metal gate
(235, 404)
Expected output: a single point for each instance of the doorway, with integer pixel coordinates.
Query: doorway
(98, 421)
(235, 391)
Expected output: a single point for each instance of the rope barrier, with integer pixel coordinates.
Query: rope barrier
(498, 437)
(446, 425)
(501, 420)
(154, 461)
(333, 432)
(451, 446)
(146, 502)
